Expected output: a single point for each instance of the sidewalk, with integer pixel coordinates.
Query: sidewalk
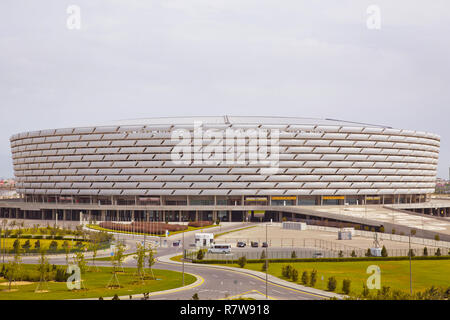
(260, 275)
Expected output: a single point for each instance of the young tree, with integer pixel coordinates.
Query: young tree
(95, 245)
(305, 278)
(265, 266)
(353, 254)
(80, 261)
(119, 255)
(425, 251)
(293, 255)
(294, 275)
(16, 245)
(151, 259)
(14, 267)
(332, 284)
(37, 244)
(27, 245)
(438, 252)
(140, 260)
(43, 269)
(365, 292)
(346, 283)
(263, 255)
(242, 261)
(53, 246)
(313, 279)
(66, 247)
(384, 252)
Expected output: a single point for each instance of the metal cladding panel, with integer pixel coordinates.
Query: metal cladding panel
(134, 192)
(311, 151)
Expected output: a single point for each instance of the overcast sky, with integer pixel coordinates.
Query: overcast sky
(133, 59)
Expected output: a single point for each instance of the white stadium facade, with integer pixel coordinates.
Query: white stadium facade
(208, 168)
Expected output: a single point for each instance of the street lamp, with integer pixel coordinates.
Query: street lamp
(267, 265)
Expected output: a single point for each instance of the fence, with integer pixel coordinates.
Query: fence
(306, 253)
(388, 236)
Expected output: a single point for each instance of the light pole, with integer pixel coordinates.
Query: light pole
(410, 269)
(267, 264)
(182, 257)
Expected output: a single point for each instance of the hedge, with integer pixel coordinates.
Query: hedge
(325, 259)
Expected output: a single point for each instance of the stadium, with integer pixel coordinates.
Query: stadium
(209, 168)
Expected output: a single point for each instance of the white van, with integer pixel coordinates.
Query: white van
(220, 248)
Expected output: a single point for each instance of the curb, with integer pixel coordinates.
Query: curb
(260, 275)
(197, 283)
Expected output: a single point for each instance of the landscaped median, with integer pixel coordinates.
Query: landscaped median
(157, 229)
(95, 283)
(54, 240)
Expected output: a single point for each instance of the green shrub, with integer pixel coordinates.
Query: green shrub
(384, 252)
(53, 245)
(425, 251)
(438, 252)
(353, 254)
(293, 255)
(332, 283)
(27, 245)
(305, 278)
(294, 275)
(313, 279)
(286, 271)
(242, 261)
(263, 255)
(200, 254)
(365, 292)
(16, 245)
(61, 275)
(346, 283)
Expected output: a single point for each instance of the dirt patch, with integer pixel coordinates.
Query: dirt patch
(17, 283)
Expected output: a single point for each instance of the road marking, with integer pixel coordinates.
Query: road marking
(276, 291)
(256, 278)
(247, 292)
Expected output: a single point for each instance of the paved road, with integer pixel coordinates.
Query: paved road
(216, 284)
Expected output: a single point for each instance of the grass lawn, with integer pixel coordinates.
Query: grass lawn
(96, 227)
(394, 274)
(95, 283)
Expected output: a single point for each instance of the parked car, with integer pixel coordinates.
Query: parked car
(255, 244)
(241, 244)
(318, 255)
(176, 243)
(265, 245)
